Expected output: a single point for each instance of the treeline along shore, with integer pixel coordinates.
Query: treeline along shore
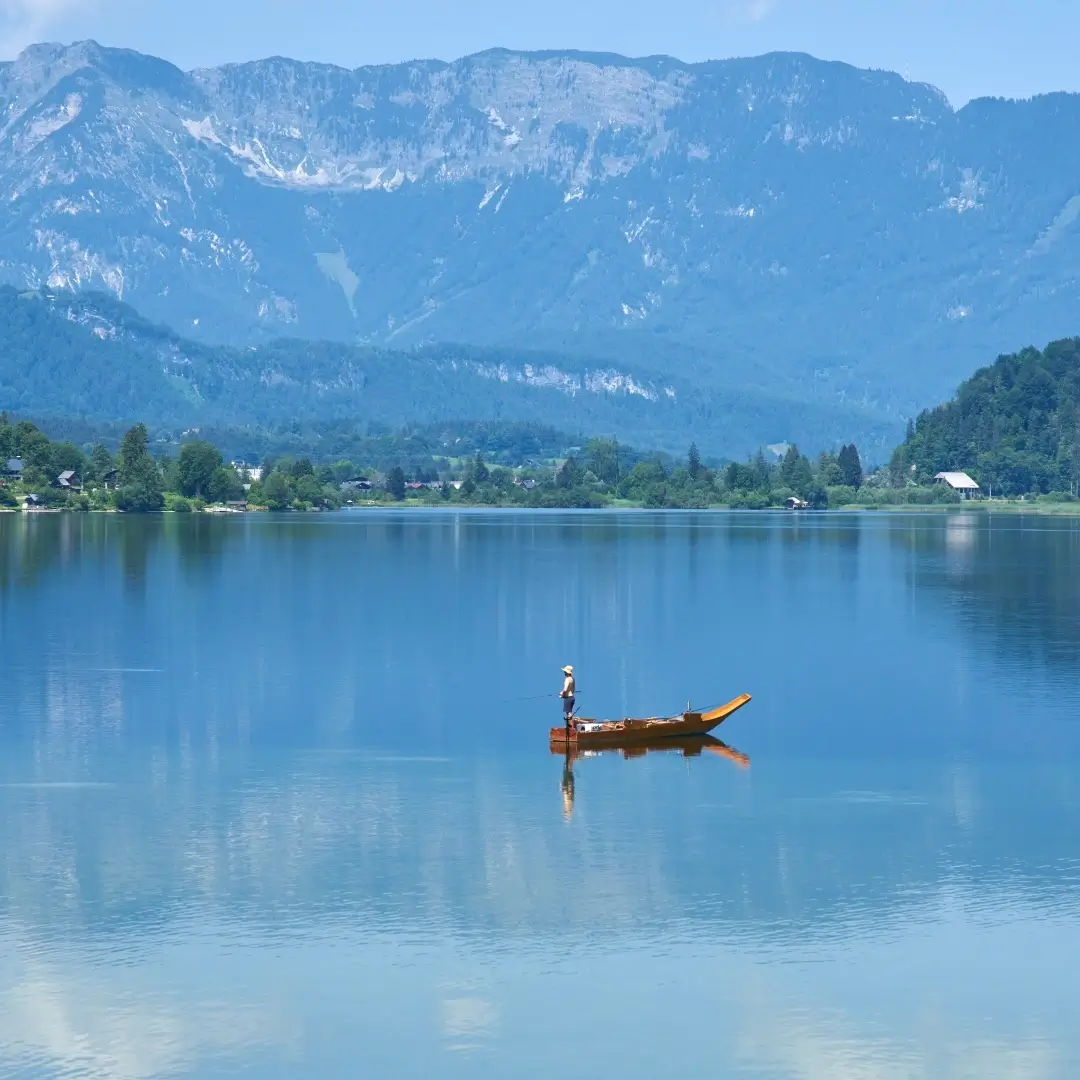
(1013, 428)
(43, 474)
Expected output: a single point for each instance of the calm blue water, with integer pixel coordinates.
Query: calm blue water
(266, 809)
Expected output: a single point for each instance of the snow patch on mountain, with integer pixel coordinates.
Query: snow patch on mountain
(71, 266)
(552, 377)
(1058, 228)
(335, 266)
(50, 122)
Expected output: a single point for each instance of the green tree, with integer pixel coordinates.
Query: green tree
(567, 474)
(828, 469)
(478, 470)
(899, 470)
(33, 446)
(133, 453)
(64, 456)
(851, 471)
(301, 467)
(693, 461)
(142, 490)
(140, 478)
(762, 472)
(1074, 456)
(739, 477)
(7, 438)
(816, 495)
(602, 459)
(100, 463)
(795, 472)
(224, 485)
(309, 490)
(276, 492)
(395, 483)
(196, 465)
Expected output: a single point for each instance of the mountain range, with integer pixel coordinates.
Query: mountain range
(793, 248)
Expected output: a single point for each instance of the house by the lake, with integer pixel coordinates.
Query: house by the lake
(357, 483)
(13, 468)
(959, 481)
(68, 481)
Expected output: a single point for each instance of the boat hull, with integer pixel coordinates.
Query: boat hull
(584, 732)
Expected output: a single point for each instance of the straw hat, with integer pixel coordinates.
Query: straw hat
(568, 670)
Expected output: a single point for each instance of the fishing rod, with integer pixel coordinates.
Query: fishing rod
(533, 697)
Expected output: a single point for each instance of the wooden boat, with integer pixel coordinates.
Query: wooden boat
(589, 733)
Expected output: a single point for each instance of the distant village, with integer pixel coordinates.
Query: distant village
(45, 476)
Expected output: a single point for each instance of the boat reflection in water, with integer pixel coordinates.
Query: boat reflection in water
(688, 746)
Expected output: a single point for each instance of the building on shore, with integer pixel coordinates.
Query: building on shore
(960, 482)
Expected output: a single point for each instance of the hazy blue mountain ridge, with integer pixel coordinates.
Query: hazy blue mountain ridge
(84, 356)
(778, 229)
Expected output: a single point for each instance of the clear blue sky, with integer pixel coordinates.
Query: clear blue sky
(1013, 48)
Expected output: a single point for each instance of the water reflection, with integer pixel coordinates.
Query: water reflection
(688, 746)
(340, 838)
(252, 769)
(87, 1019)
(1010, 578)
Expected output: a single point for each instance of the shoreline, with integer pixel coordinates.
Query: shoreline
(984, 507)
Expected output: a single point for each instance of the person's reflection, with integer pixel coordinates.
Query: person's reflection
(567, 786)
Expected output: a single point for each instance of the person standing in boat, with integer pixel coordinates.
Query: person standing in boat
(568, 693)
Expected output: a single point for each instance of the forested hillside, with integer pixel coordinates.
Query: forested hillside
(88, 357)
(1014, 426)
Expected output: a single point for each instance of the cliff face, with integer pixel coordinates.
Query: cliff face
(779, 225)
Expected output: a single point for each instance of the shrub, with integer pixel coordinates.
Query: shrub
(655, 497)
(177, 504)
(139, 499)
(841, 495)
(933, 495)
(749, 500)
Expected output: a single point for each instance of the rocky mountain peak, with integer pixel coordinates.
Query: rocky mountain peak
(778, 225)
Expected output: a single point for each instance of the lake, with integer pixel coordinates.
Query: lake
(276, 796)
